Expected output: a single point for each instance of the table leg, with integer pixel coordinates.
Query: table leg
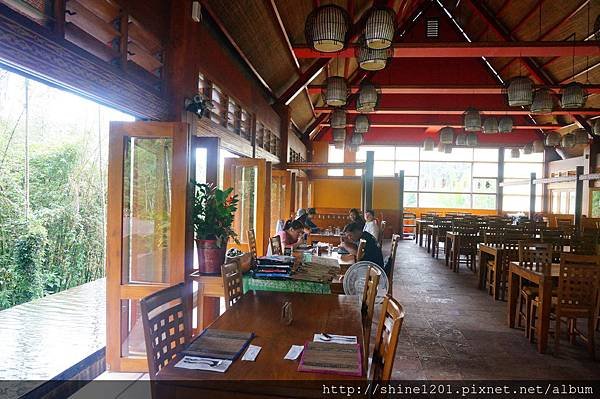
(421, 235)
(513, 295)
(447, 249)
(482, 269)
(543, 321)
(417, 232)
(210, 309)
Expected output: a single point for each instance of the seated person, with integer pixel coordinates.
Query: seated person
(371, 225)
(353, 233)
(292, 234)
(305, 216)
(356, 217)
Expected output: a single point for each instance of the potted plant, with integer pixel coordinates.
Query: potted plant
(213, 214)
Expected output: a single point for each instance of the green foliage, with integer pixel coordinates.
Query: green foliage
(213, 213)
(29, 254)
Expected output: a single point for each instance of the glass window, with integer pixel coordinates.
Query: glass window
(457, 154)
(407, 153)
(519, 203)
(442, 200)
(409, 168)
(410, 200)
(484, 201)
(382, 153)
(485, 170)
(523, 170)
(445, 177)
(335, 156)
(572, 202)
(555, 201)
(485, 154)
(411, 183)
(484, 185)
(596, 203)
(564, 205)
(383, 168)
(534, 157)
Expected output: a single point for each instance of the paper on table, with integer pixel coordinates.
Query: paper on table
(336, 339)
(204, 363)
(294, 352)
(251, 353)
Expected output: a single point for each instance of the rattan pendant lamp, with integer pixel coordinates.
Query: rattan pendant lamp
(538, 146)
(520, 92)
(568, 141)
(472, 120)
(553, 139)
(428, 144)
(336, 91)
(338, 118)
(447, 135)
(361, 124)
(326, 28)
(505, 124)
(367, 97)
(581, 136)
(490, 125)
(371, 59)
(542, 102)
(379, 28)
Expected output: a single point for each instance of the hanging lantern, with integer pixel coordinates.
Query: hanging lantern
(542, 102)
(520, 92)
(553, 139)
(596, 127)
(361, 124)
(447, 135)
(461, 139)
(505, 125)
(568, 141)
(339, 134)
(428, 144)
(367, 98)
(336, 91)
(472, 120)
(339, 145)
(515, 153)
(371, 59)
(353, 147)
(490, 125)
(441, 147)
(471, 140)
(327, 28)
(338, 118)
(448, 149)
(527, 149)
(581, 136)
(379, 28)
(538, 146)
(573, 96)
(357, 138)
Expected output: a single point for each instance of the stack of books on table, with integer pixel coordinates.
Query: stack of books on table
(273, 267)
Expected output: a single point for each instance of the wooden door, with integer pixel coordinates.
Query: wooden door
(280, 198)
(148, 176)
(251, 181)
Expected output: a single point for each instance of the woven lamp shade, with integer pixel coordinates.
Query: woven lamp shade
(542, 102)
(596, 127)
(441, 147)
(428, 144)
(472, 140)
(339, 145)
(461, 139)
(490, 125)
(367, 98)
(361, 124)
(353, 147)
(553, 139)
(520, 92)
(339, 134)
(338, 118)
(371, 59)
(326, 28)
(379, 28)
(336, 91)
(357, 138)
(538, 146)
(447, 135)
(472, 120)
(527, 149)
(581, 136)
(448, 149)
(568, 141)
(573, 96)
(505, 124)
(515, 153)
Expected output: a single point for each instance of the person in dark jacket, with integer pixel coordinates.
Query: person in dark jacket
(305, 216)
(353, 233)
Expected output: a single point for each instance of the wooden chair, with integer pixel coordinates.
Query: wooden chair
(465, 246)
(386, 340)
(497, 279)
(276, 245)
(167, 329)
(576, 298)
(584, 244)
(381, 232)
(252, 247)
(391, 262)
(368, 306)
(360, 251)
(537, 257)
(232, 283)
(443, 226)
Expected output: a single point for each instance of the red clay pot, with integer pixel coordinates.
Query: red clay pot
(210, 257)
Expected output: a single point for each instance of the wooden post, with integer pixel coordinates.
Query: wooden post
(531, 197)
(284, 130)
(253, 134)
(59, 18)
(578, 197)
(499, 188)
(362, 191)
(400, 176)
(369, 180)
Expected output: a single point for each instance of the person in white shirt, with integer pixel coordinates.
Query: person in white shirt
(371, 225)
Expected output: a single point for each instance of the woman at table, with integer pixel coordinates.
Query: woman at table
(356, 217)
(371, 225)
(305, 216)
(292, 234)
(353, 233)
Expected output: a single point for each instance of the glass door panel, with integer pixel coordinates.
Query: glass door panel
(279, 208)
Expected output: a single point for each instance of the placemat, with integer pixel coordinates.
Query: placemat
(329, 358)
(219, 344)
(315, 272)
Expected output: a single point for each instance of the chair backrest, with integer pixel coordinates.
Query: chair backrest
(535, 256)
(392, 260)
(232, 283)
(368, 306)
(584, 244)
(360, 251)
(276, 245)
(381, 232)
(167, 329)
(509, 253)
(578, 282)
(386, 339)
(493, 238)
(252, 247)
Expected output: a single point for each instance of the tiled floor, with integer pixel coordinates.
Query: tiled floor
(454, 331)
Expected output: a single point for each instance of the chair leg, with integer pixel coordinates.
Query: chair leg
(530, 319)
(591, 342)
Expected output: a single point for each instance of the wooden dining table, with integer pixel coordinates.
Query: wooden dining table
(270, 375)
(486, 253)
(517, 272)
(420, 225)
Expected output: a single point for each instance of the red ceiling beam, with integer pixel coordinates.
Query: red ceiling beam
(469, 50)
(444, 89)
(436, 127)
(461, 111)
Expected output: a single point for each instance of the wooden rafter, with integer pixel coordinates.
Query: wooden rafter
(446, 89)
(433, 110)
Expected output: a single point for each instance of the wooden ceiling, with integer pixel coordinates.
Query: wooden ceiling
(265, 31)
